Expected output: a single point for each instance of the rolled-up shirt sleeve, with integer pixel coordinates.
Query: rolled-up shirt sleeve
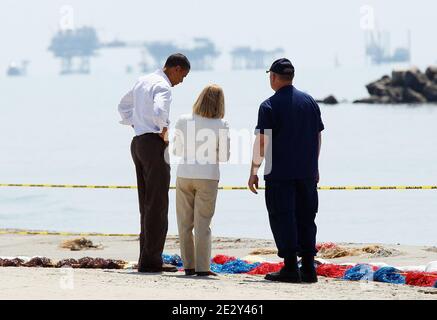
(125, 108)
(161, 105)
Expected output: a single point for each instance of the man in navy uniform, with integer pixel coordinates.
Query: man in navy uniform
(288, 136)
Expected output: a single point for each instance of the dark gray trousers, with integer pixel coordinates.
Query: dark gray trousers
(149, 152)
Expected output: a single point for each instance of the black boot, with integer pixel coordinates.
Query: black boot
(308, 271)
(289, 273)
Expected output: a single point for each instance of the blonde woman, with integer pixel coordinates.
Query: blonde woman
(202, 141)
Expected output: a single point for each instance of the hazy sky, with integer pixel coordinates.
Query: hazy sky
(312, 32)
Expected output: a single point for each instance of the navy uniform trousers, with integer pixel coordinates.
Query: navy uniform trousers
(292, 206)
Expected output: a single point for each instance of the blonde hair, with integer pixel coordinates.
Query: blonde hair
(210, 103)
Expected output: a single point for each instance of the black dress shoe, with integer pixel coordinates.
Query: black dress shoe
(150, 270)
(163, 268)
(308, 276)
(284, 276)
(190, 272)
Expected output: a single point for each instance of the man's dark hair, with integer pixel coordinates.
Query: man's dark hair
(178, 59)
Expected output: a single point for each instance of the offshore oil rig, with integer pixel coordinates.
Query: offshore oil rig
(248, 58)
(378, 49)
(75, 48)
(75, 44)
(201, 53)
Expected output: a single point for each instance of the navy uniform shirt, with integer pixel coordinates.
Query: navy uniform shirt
(295, 122)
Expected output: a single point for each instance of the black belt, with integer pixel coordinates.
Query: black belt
(152, 134)
(148, 133)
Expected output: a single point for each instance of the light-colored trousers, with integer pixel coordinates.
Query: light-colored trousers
(195, 205)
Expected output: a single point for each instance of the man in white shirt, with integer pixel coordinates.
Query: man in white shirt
(146, 108)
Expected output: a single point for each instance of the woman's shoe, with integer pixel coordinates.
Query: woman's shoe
(206, 273)
(190, 272)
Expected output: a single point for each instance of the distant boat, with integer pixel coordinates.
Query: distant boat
(14, 69)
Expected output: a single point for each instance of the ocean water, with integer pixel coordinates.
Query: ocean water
(64, 130)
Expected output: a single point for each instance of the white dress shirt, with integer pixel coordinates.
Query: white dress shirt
(202, 143)
(147, 105)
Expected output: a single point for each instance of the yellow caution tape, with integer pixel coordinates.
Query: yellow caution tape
(379, 188)
(79, 186)
(50, 233)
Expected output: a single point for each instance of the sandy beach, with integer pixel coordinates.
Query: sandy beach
(49, 283)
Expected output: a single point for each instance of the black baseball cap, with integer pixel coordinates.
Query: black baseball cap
(282, 66)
